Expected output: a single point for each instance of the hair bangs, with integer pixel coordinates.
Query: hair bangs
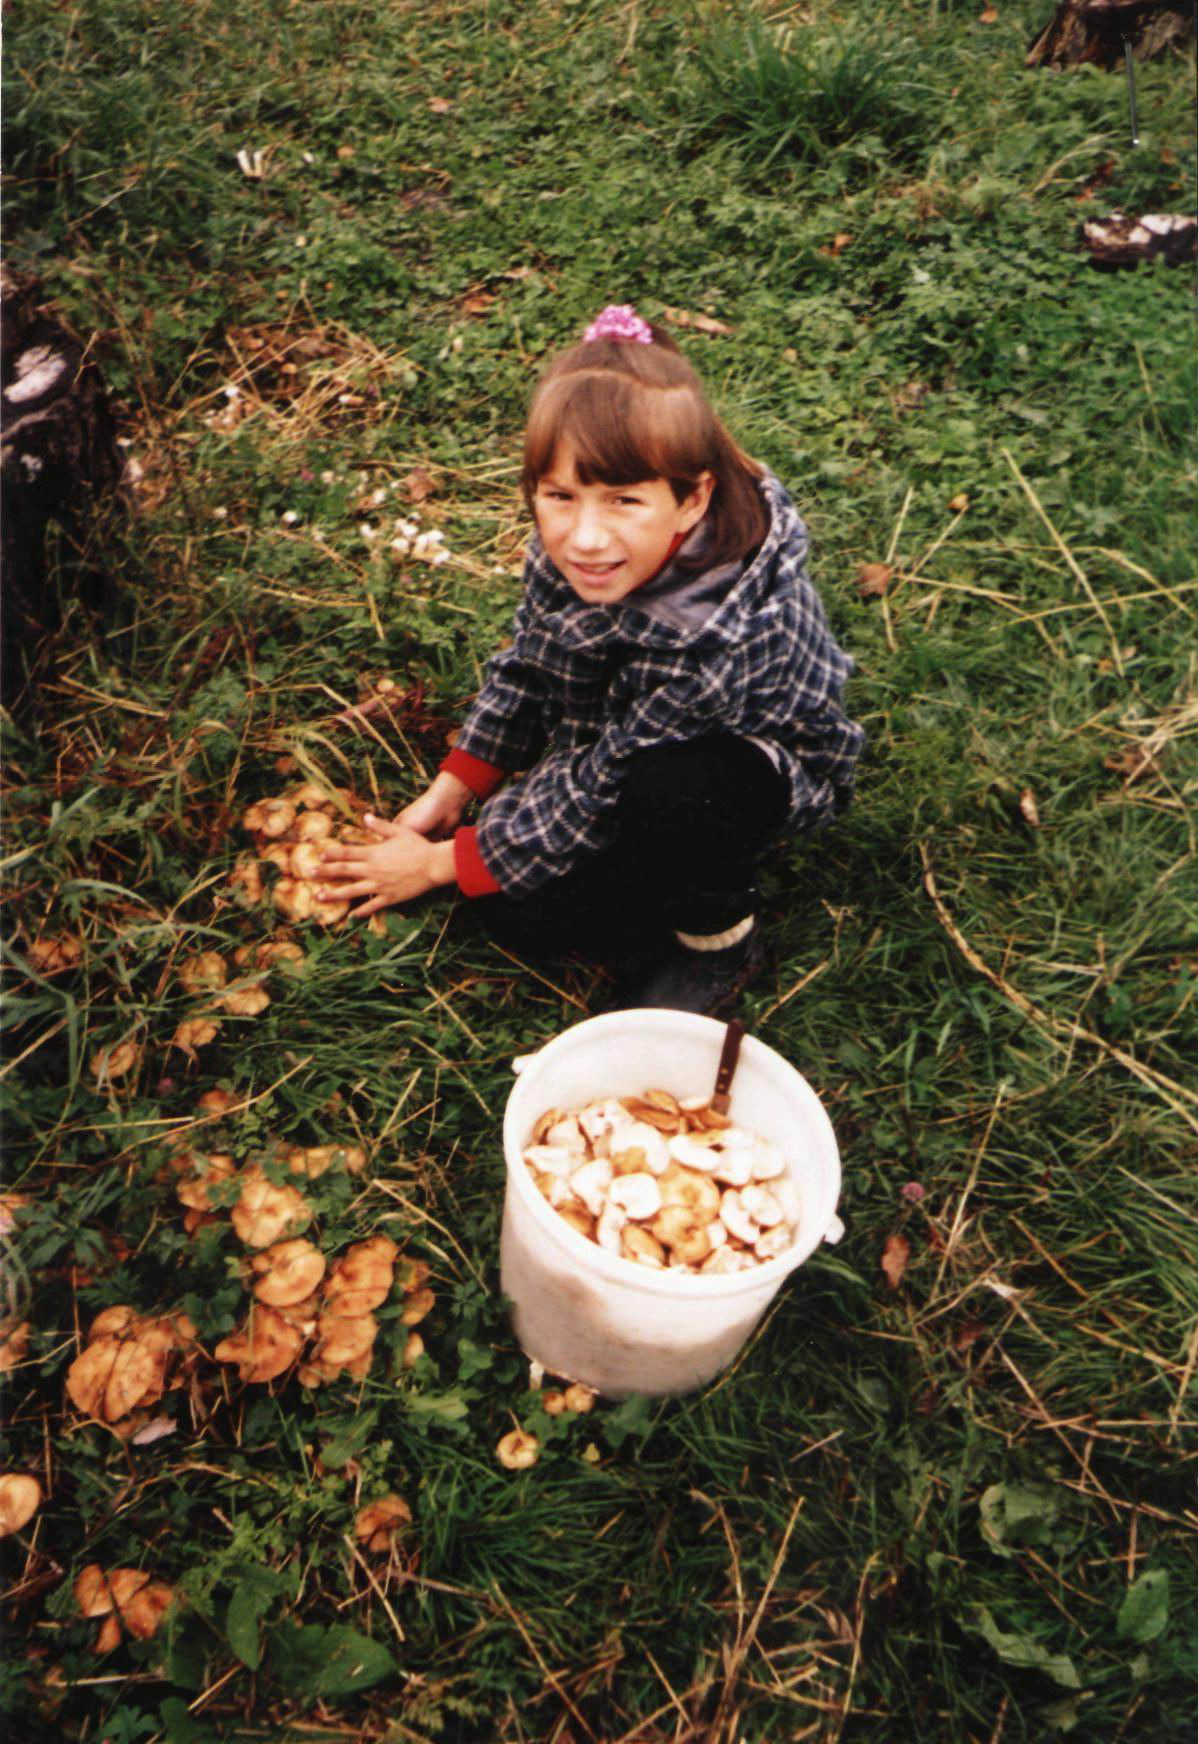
(619, 430)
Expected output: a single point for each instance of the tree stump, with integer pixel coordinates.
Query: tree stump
(1097, 30)
(59, 463)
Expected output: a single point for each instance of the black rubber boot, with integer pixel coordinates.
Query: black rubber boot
(679, 979)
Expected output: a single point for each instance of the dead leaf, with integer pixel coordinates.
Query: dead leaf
(838, 244)
(699, 323)
(1133, 762)
(1029, 810)
(440, 105)
(418, 485)
(958, 504)
(988, 16)
(477, 302)
(895, 1254)
(873, 579)
(968, 1335)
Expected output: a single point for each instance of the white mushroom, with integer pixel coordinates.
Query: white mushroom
(639, 1195)
(599, 1120)
(762, 1205)
(774, 1242)
(551, 1159)
(717, 1235)
(786, 1192)
(692, 1154)
(736, 1219)
(611, 1222)
(725, 1260)
(590, 1184)
(768, 1161)
(567, 1135)
(733, 1167)
(638, 1135)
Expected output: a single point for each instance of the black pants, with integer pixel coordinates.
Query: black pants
(693, 818)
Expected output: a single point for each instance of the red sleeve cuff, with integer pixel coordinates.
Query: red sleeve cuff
(481, 778)
(470, 869)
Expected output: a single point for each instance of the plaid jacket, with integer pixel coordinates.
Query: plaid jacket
(583, 687)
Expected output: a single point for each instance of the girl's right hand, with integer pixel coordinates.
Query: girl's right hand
(438, 811)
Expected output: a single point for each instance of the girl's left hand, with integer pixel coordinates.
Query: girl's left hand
(398, 867)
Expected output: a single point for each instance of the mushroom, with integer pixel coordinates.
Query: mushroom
(53, 953)
(263, 1348)
(14, 1342)
(193, 1033)
(553, 1402)
(763, 1206)
(590, 1184)
(362, 1278)
(611, 1223)
(773, 1242)
(273, 817)
(274, 951)
(288, 1273)
(379, 1523)
(553, 1159)
(245, 1001)
(418, 1307)
(193, 1190)
(413, 1350)
(698, 1193)
(20, 1499)
(678, 1229)
(116, 1061)
(639, 1245)
(10, 1204)
(638, 1195)
(580, 1398)
(639, 1135)
(313, 1160)
(306, 857)
(329, 910)
(787, 1193)
(694, 1153)
(308, 794)
(567, 1135)
(579, 1219)
(341, 1341)
(205, 973)
(245, 881)
(518, 1450)
(768, 1161)
(293, 898)
(264, 1213)
(217, 1102)
(278, 855)
(737, 1219)
(125, 1596)
(314, 826)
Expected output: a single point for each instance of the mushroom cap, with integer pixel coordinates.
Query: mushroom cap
(343, 1339)
(413, 1350)
(209, 1170)
(277, 817)
(205, 973)
(117, 1061)
(278, 854)
(518, 1450)
(289, 1272)
(306, 857)
(245, 881)
(195, 1032)
(293, 898)
(263, 1348)
(309, 795)
(698, 1193)
(678, 1228)
(20, 1499)
(329, 910)
(265, 1213)
(638, 1244)
(580, 1398)
(314, 827)
(417, 1307)
(637, 1194)
(245, 1001)
(378, 1523)
(217, 1101)
(362, 1278)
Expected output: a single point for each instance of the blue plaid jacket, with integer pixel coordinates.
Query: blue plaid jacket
(583, 687)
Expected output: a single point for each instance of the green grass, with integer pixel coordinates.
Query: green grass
(985, 1473)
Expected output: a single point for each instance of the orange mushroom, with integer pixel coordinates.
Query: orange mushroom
(263, 1348)
(379, 1523)
(265, 1213)
(361, 1279)
(289, 1272)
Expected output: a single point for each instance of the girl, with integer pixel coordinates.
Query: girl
(670, 701)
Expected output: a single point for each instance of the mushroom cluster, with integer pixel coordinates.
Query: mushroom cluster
(291, 833)
(130, 1360)
(665, 1183)
(128, 1599)
(262, 1211)
(302, 1301)
(207, 975)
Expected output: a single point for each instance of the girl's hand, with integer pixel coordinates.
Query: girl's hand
(438, 811)
(401, 865)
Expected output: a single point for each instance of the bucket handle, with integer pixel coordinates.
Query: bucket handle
(834, 1231)
(520, 1061)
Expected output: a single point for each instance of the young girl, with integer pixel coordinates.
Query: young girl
(670, 701)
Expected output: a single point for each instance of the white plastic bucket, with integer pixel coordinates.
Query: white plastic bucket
(596, 1317)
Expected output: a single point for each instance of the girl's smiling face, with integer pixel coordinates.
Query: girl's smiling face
(608, 539)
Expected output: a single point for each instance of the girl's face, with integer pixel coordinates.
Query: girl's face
(607, 539)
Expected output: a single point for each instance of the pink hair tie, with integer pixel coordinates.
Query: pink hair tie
(619, 321)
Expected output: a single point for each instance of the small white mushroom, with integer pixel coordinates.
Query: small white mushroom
(762, 1205)
(774, 1242)
(734, 1167)
(567, 1135)
(768, 1161)
(638, 1195)
(590, 1184)
(736, 1219)
(611, 1223)
(599, 1120)
(691, 1154)
(640, 1136)
(786, 1192)
(551, 1159)
(556, 1190)
(717, 1235)
(725, 1260)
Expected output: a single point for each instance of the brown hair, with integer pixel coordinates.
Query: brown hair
(633, 412)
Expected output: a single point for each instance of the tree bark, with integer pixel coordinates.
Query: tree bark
(1096, 30)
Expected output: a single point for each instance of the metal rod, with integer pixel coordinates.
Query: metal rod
(1129, 63)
